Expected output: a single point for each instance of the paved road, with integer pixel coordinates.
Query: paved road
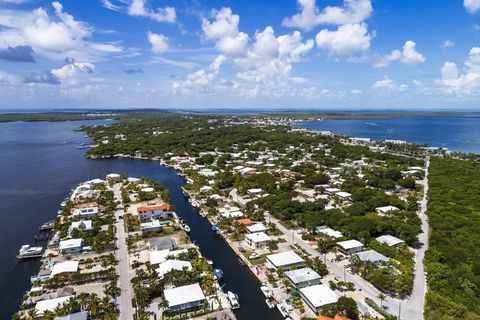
(415, 304)
(410, 308)
(123, 267)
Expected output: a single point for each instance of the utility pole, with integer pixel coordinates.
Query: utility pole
(399, 310)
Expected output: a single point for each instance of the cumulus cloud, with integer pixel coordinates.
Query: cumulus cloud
(17, 54)
(387, 87)
(347, 39)
(223, 29)
(8, 79)
(158, 41)
(453, 82)
(52, 37)
(140, 8)
(353, 11)
(46, 77)
(203, 81)
(408, 55)
(472, 6)
(70, 73)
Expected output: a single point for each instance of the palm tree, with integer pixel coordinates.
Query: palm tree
(48, 315)
(32, 314)
(382, 297)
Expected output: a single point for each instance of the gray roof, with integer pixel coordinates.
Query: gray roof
(74, 316)
(371, 255)
(302, 275)
(163, 243)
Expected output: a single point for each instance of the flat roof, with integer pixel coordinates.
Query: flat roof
(302, 275)
(159, 256)
(284, 258)
(329, 232)
(350, 244)
(169, 265)
(257, 227)
(50, 304)
(389, 240)
(319, 295)
(66, 266)
(371, 255)
(258, 237)
(71, 243)
(182, 295)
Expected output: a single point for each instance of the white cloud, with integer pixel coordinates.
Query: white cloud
(158, 41)
(71, 73)
(203, 81)
(446, 44)
(138, 8)
(462, 84)
(387, 87)
(353, 11)
(8, 79)
(408, 55)
(472, 6)
(224, 30)
(347, 39)
(54, 37)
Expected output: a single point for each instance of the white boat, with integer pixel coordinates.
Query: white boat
(233, 298)
(186, 228)
(267, 292)
(269, 303)
(27, 252)
(284, 309)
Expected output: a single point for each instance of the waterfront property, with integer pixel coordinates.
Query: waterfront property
(71, 246)
(350, 246)
(148, 213)
(184, 298)
(257, 240)
(303, 277)
(285, 260)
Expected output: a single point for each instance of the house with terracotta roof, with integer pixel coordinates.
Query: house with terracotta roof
(148, 213)
(337, 317)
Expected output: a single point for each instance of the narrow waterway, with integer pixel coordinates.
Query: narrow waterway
(40, 163)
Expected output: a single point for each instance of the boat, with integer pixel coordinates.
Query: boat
(27, 252)
(47, 225)
(267, 292)
(218, 274)
(284, 309)
(269, 303)
(233, 298)
(186, 228)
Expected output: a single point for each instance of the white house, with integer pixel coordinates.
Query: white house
(147, 213)
(257, 240)
(350, 246)
(64, 267)
(86, 212)
(257, 227)
(51, 304)
(285, 260)
(184, 298)
(71, 246)
(159, 256)
(386, 210)
(170, 265)
(85, 225)
(329, 232)
(369, 256)
(303, 277)
(390, 241)
(318, 296)
(113, 177)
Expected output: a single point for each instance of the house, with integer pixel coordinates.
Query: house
(257, 227)
(154, 225)
(329, 232)
(147, 213)
(83, 315)
(113, 177)
(318, 296)
(206, 189)
(85, 225)
(343, 195)
(64, 267)
(285, 260)
(245, 222)
(257, 240)
(369, 256)
(51, 304)
(170, 265)
(207, 172)
(184, 298)
(255, 192)
(160, 256)
(390, 241)
(337, 317)
(350, 246)
(86, 210)
(71, 246)
(386, 210)
(303, 277)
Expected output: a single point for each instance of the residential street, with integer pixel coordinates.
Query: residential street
(123, 267)
(410, 308)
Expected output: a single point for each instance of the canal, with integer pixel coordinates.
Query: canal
(40, 163)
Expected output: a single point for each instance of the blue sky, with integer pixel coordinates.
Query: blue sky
(240, 54)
